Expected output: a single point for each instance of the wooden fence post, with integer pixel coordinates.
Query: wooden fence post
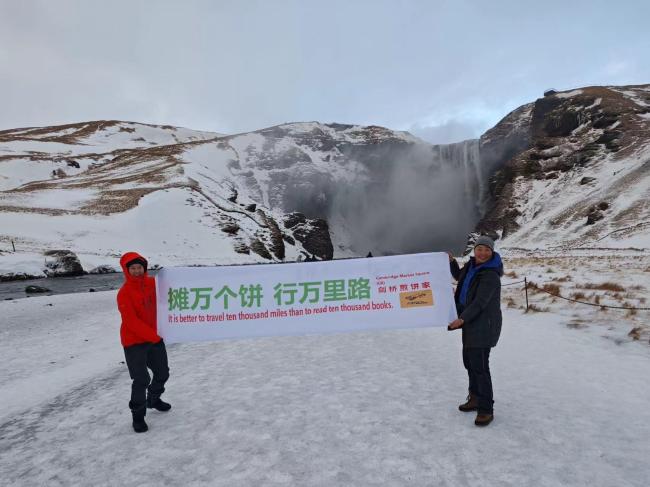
(526, 288)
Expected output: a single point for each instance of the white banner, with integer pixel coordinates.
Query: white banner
(377, 293)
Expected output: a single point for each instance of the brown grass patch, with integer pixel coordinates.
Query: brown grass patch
(43, 211)
(615, 296)
(635, 333)
(551, 288)
(604, 286)
(116, 201)
(533, 287)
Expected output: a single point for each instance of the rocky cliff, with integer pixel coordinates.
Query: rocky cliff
(573, 170)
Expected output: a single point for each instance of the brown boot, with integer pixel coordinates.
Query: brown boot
(483, 419)
(470, 405)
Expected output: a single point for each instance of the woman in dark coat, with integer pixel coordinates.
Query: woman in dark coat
(478, 302)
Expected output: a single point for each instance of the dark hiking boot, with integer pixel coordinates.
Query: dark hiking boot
(483, 419)
(470, 405)
(159, 405)
(139, 424)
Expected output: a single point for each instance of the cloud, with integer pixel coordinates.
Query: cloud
(450, 131)
(233, 66)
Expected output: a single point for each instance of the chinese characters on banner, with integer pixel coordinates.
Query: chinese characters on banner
(214, 303)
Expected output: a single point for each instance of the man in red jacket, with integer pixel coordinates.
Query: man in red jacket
(143, 348)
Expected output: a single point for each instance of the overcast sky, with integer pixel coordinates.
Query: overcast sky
(445, 70)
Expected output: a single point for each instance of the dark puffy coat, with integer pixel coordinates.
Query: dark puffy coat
(482, 311)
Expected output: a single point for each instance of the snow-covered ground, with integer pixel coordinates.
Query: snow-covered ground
(351, 410)
(619, 278)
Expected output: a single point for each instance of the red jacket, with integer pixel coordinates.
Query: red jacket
(136, 301)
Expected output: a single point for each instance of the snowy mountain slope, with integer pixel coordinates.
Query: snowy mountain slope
(31, 154)
(175, 201)
(579, 174)
(353, 409)
(242, 190)
(568, 170)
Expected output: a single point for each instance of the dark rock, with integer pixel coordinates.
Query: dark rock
(103, 269)
(552, 175)
(252, 207)
(587, 180)
(72, 163)
(562, 125)
(340, 126)
(315, 238)
(594, 216)
(230, 228)
(32, 289)
(565, 164)
(289, 239)
(609, 139)
(603, 205)
(91, 290)
(242, 248)
(588, 152)
(604, 120)
(260, 249)
(293, 219)
(277, 243)
(531, 168)
(607, 136)
(62, 263)
(543, 144)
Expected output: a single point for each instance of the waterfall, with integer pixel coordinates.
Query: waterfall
(466, 157)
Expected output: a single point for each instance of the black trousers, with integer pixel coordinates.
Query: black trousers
(477, 363)
(139, 358)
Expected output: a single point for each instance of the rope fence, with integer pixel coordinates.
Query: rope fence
(556, 295)
(592, 304)
(513, 283)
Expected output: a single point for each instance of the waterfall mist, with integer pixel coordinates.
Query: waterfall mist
(428, 200)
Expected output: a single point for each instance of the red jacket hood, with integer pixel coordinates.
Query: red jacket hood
(128, 257)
